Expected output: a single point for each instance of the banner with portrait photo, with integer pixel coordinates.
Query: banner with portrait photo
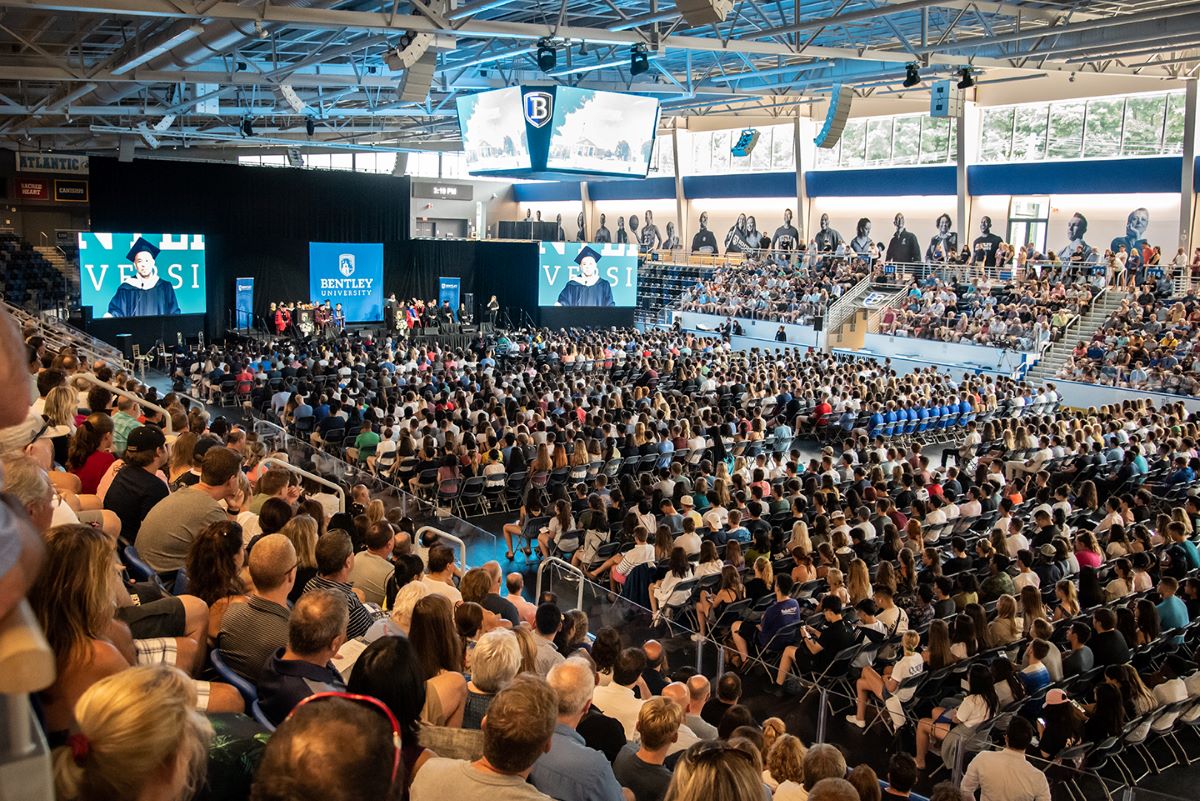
(142, 275)
(587, 275)
(349, 273)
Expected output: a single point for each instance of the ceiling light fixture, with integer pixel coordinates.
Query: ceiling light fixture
(912, 75)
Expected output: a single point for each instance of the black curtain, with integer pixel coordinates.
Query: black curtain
(257, 221)
(507, 270)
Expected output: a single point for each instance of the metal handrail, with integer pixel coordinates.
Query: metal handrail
(836, 314)
(167, 429)
(462, 546)
(341, 493)
(570, 569)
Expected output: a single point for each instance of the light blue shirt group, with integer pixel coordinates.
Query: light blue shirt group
(570, 771)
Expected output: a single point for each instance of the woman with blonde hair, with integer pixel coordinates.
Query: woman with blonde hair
(528, 646)
(785, 767)
(375, 512)
(1006, 627)
(182, 451)
(62, 405)
(837, 587)
(714, 771)
(860, 582)
(139, 738)
(1032, 607)
(302, 531)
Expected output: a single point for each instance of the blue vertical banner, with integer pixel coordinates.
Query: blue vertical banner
(243, 303)
(349, 274)
(448, 290)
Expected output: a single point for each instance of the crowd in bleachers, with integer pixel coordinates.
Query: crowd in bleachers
(766, 290)
(1034, 601)
(1149, 343)
(1023, 315)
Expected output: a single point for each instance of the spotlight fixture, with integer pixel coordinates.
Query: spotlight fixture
(247, 127)
(912, 75)
(639, 62)
(968, 80)
(547, 56)
(310, 127)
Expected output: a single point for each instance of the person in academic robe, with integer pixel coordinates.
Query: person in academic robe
(143, 294)
(339, 317)
(283, 319)
(587, 288)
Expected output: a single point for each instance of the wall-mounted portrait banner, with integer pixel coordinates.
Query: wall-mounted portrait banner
(861, 243)
(944, 244)
(703, 241)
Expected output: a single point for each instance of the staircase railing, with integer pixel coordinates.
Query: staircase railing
(842, 309)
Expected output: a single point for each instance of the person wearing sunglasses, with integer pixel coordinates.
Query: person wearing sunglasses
(336, 746)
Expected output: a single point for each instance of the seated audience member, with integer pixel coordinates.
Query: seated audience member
(782, 613)
(138, 737)
(253, 630)
(515, 584)
(1108, 646)
(335, 749)
(175, 522)
(977, 707)
(316, 630)
(570, 771)
(495, 662)
(214, 568)
(547, 623)
(373, 567)
(817, 648)
(729, 693)
(136, 488)
(716, 772)
(440, 651)
(335, 560)
(389, 670)
(822, 761)
(1080, 658)
(640, 767)
(518, 729)
(617, 699)
(901, 777)
(1007, 773)
(785, 768)
(440, 577)
(276, 482)
(699, 690)
(72, 598)
(489, 596)
(90, 454)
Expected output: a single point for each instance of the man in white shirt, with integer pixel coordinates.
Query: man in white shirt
(717, 517)
(440, 578)
(1006, 775)
(617, 699)
(689, 540)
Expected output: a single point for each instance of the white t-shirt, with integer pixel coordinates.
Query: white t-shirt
(973, 711)
(906, 668)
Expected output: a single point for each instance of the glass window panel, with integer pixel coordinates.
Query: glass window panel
(906, 140)
(666, 154)
(879, 141)
(452, 165)
(254, 160)
(935, 140)
(1143, 125)
(720, 151)
(1173, 137)
(385, 162)
(828, 158)
(1065, 136)
(996, 134)
(364, 162)
(760, 157)
(341, 161)
(701, 152)
(783, 150)
(854, 140)
(1029, 133)
(1103, 134)
(317, 161)
(280, 161)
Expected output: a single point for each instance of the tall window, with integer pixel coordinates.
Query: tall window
(888, 141)
(1133, 125)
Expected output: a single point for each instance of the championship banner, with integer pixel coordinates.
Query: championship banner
(349, 273)
(448, 290)
(243, 303)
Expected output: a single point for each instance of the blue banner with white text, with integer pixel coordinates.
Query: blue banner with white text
(349, 274)
(448, 290)
(243, 303)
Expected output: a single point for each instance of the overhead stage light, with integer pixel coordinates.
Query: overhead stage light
(247, 127)
(912, 75)
(547, 55)
(968, 80)
(639, 62)
(310, 127)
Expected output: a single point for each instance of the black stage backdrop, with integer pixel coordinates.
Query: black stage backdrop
(257, 221)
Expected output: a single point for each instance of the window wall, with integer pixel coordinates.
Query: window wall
(707, 152)
(892, 141)
(1103, 127)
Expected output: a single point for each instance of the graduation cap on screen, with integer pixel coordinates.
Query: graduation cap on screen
(585, 252)
(142, 246)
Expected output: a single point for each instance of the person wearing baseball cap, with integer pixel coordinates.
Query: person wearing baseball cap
(138, 486)
(687, 509)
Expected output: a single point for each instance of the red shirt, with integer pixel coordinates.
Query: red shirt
(93, 470)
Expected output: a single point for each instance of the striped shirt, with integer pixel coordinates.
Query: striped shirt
(361, 618)
(250, 633)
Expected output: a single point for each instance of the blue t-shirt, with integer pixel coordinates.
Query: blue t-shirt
(1173, 613)
(778, 615)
